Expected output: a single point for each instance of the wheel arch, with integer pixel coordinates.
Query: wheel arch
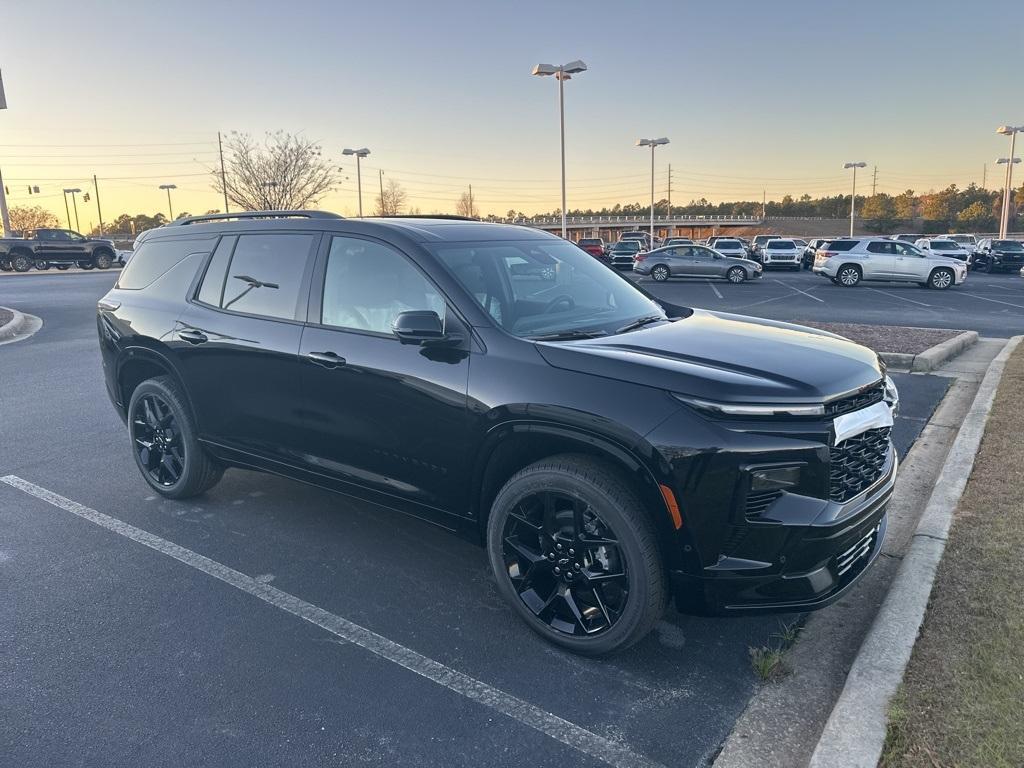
(137, 364)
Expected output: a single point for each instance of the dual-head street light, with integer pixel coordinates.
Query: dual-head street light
(1011, 131)
(562, 73)
(853, 196)
(360, 154)
(74, 202)
(652, 143)
(170, 209)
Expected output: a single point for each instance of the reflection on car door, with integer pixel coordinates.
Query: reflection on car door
(704, 263)
(877, 263)
(383, 415)
(909, 264)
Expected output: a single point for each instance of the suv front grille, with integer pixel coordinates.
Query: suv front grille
(857, 463)
(868, 396)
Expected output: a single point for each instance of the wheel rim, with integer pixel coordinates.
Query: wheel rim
(157, 440)
(736, 275)
(565, 564)
(849, 277)
(660, 273)
(941, 279)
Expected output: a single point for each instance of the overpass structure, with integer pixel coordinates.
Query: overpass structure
(610, 227)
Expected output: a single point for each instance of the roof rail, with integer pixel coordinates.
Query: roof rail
(253, 215)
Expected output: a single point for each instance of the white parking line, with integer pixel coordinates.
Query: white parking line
(805, 293)
(559, 729)
(895, 296)
(715, 289)
(994, 301)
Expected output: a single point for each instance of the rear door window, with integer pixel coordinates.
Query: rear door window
(878, 247)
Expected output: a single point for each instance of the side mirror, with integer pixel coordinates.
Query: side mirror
(423, 327)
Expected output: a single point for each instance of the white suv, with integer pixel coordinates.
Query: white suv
(848, 261)
(940, 246)
(782, 253)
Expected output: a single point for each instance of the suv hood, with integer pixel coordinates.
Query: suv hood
(725, 358)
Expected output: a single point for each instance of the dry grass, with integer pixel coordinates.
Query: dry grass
(889, 338)
(962, 699)
(769, 661)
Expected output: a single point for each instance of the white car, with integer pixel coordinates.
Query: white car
(848, 261)
(782, 253)
(730, 246)
(937, 246)
(968, 242)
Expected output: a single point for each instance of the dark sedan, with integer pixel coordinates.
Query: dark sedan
(694, 261)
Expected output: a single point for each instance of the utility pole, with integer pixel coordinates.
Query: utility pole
(5, 216)
(764, 203)
(223, 175)
(74, 202)
(874, 180)
(99, 211)
(984, 174)
(669, 211)
(471, 214)
(66, 209)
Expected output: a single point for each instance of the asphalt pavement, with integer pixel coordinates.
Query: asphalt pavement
(117, 654)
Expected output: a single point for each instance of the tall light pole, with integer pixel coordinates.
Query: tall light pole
(360, 154)
(5, 217)
(1004, 214)
(562, 73)
(170, 209)
(1011, 131)
(74, 202)
(652, 143)
(853, 195)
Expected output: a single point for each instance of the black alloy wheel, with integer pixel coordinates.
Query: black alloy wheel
(21, 263)
(157, 440)
(565, 563)
(103, 260)
(42, 266)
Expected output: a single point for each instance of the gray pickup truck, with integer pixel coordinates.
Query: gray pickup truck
(62, 248)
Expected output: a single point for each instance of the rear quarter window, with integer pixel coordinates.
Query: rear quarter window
(155, 257)
(841, 245)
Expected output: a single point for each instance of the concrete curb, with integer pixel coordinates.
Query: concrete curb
(855, 732)
(932, 357)
(14, 326)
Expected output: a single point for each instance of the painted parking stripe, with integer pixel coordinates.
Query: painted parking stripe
(805, 293)
(715, 289)
(561, 730)
(896, 296)
(994, 301)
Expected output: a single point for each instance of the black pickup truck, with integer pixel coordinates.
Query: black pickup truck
(62, 248)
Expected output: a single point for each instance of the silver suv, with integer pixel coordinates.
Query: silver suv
(848, 261)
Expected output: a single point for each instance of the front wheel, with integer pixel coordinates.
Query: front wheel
(736, 275)
(660, 273)
(574, 552)
(103, 260)
(165, 444)
(941, 279)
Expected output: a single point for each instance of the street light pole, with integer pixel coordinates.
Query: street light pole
(170, 209)
(1004, 219)
(360, 154)
(74, 202)
(562, 73)
(67, 210)
(652, 143)
(853, 195)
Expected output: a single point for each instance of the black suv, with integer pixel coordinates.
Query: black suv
(610, 450)
(993, 255)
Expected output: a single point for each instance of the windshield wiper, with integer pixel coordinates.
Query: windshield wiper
(641, 322)
(568, 335)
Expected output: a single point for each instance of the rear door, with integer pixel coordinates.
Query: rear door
(237, 343)
(877, 262)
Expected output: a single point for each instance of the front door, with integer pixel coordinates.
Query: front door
(909, 263)
(383, 415)
(703, 262)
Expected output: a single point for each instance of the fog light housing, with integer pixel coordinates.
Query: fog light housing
(763, 479)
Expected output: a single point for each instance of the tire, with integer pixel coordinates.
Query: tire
(42, 266)
(179, 468)
(611, 510)
(660, 273)
(5, 266)
(85, 265)
(63, 267)
(20, 262)
(848, 276)
(736, 275)
(941, 279)
(103, 259)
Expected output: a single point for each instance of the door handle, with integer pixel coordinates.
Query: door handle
(192, 336)
(325, 359)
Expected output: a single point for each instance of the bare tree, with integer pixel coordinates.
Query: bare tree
(284, 172)
(467, 206)
(393, 199)
(35, 217)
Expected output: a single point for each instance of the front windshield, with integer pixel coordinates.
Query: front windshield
(1008, 245)
(727, 244)
(628, 245)
(940, 245)
(781, 245)
(535, 288)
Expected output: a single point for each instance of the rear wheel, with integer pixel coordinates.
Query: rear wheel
(20, 262)
(164, 441)
(848, 276)
(103, 259)
(660, 273)
(5, 266)
(42, 266)
(736, 275)
(62, 267)
(941, 279)
(575, 554)
(85, 265)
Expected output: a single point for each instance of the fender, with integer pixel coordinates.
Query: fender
(159, 357)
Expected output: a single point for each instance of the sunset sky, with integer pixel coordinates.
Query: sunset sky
(753, 96)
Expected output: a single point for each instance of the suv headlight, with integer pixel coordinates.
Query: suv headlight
(752, 409)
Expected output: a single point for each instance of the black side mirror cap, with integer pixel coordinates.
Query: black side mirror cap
(423, 327)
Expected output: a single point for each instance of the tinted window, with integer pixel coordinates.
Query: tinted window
(877, 247)
(841, 245)
(730, 244)
(212, 290)
(369, 284)
(266, 274)
(1007, 245)
(154, 257)
(589, 241)
(702, 254)
(781, 244)
(940, 245)
(60, 234)
(906, 249)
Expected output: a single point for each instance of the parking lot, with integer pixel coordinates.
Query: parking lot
(993, 305)
(121, 654)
